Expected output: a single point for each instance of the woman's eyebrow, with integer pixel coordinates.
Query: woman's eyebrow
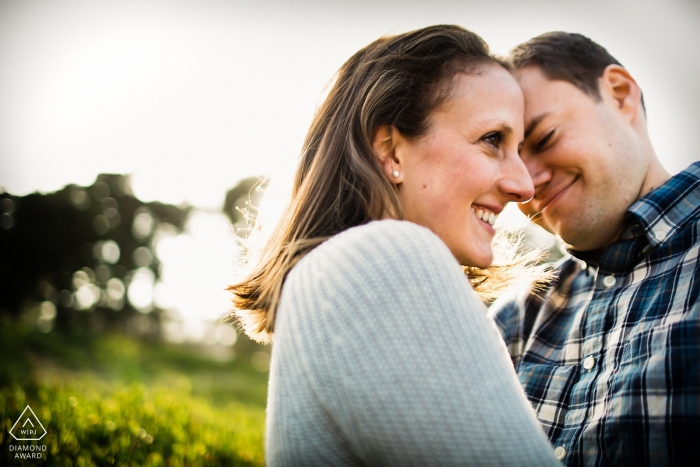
(505, 127)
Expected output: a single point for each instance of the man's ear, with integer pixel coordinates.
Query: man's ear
(623, 91)
(384, 146)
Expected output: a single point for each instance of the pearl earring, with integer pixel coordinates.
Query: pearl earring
(395, 174)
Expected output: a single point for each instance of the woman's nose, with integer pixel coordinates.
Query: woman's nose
(516, 182)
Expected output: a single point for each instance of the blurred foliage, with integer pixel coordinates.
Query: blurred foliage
(88, 361)
(117, 424)
(107, 399)
(46, 238)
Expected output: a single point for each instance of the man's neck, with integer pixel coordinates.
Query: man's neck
(656, 176)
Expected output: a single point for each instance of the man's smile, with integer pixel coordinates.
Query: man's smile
(552, 195)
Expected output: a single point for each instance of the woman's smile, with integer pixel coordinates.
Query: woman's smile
(457, 179)
(486, 217)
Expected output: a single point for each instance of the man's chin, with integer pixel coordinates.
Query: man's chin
(586, 233)
(569, 230)
(573, 231)
(581, 240)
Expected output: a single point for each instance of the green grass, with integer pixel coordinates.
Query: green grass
(111, 400)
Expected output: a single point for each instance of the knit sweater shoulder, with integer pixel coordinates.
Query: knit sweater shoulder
(383, 355)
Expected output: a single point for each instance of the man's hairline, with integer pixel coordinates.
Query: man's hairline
(594, 94)
(597, 97)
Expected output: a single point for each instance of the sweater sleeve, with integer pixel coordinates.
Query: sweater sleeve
(383, 355)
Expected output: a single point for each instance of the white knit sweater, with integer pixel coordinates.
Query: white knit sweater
(383, 355)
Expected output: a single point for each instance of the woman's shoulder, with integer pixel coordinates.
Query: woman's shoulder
(381, 239)
(385, 245)
(387, 233)
(378, 228)
(372, 274)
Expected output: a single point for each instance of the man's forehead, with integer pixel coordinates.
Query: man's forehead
(544, 97)
(538, 89)
(531, 76)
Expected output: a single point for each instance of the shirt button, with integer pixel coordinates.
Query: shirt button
(609, 281)
(589, 363)
(660, 235)
(560, 453)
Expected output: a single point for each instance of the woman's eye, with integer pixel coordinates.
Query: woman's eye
(494, 139)
(543, 142)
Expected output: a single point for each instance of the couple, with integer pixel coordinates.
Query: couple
(383, 353)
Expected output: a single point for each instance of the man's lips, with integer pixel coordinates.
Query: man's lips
(555, 194)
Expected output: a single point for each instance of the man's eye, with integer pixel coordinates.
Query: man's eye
(494, 139)
(543, 142)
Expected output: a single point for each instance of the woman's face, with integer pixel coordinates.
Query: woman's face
(458, 178)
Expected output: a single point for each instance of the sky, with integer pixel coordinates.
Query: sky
(191, 96)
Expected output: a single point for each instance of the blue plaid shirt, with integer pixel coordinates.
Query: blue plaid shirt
(612, 361)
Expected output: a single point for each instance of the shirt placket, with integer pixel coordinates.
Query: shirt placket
(581, 399)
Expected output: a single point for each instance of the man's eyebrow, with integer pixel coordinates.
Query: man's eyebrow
(533, 124)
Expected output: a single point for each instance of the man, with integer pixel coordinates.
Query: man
(609, 354)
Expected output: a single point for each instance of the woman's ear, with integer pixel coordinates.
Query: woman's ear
(618, 84)
(384, 146)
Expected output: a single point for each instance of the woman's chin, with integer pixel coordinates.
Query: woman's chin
(481, 260)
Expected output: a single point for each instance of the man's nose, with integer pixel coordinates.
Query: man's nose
(536, 170)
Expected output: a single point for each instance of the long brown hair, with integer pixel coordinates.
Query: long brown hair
(397, 80)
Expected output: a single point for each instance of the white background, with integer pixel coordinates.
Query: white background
(191, 96)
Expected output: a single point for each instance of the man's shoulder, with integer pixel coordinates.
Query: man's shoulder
(670, 208)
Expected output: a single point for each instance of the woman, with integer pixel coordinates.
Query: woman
(382, 351)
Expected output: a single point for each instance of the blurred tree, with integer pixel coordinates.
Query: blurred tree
(68, 257)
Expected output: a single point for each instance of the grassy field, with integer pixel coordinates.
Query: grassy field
(111, 400)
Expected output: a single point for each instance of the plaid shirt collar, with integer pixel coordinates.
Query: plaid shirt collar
(650, 222)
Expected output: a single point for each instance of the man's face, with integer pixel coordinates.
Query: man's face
(581, 156)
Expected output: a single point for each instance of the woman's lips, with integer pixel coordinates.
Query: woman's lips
(486, 214)
(480, 212)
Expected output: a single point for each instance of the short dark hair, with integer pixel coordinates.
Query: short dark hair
(566, 56)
